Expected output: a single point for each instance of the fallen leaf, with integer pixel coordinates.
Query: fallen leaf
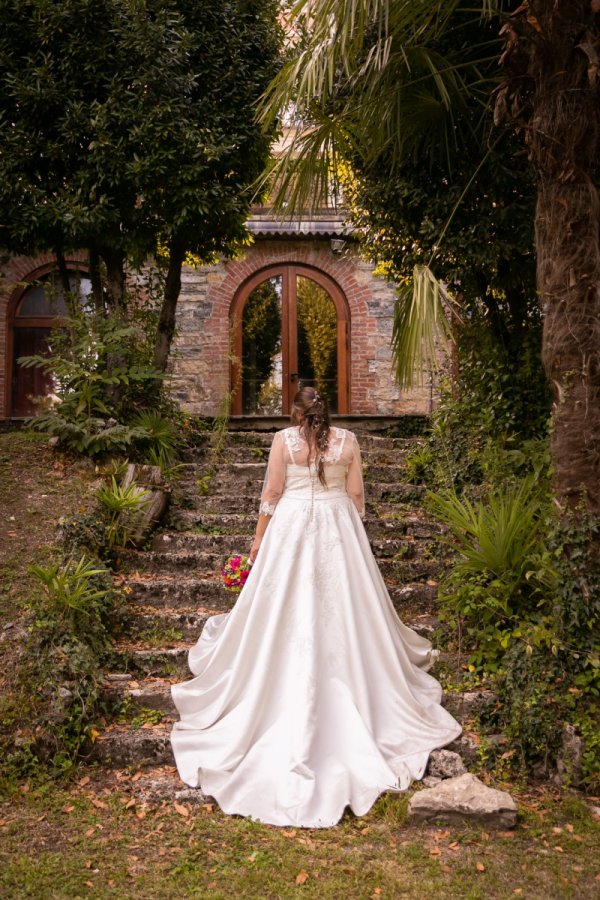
(288, 833)
(137, 776)
(99, 804)
(90, 832)
(182, 810)
(435, 851)
(453, 846)
(84, 781)
(480, 867)
(130, 803)
(569, 828)
(302, 877)
(141, 814)
(68, 809)
(208, 807)
(559, 849)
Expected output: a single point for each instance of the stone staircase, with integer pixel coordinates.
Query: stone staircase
(174, 585)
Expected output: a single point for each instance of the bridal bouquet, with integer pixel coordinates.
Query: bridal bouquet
(235, 572)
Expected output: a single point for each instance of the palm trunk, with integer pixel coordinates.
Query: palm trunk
(552, 68)
(166, 322)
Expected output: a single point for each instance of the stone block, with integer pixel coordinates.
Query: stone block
(463, 799)
(445, 764)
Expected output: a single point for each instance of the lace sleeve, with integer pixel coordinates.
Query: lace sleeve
(274, 478)
(354, 480)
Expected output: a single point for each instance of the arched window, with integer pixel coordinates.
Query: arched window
(35, 311)
(291, 329)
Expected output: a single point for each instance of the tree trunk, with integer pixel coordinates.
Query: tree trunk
(96, 279)
(114, 260)
(63, 273)
(166, 322)
(553, 87)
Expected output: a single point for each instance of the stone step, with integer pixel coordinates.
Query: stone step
(244, 488)
(152, 626)
(394, 455)
(163, 662)
(403, 497)
(191, 520)
(121, 745)
(226, 544)
(402, 564)
(252, 471)
(143, 689)
(264, 439)
(173, 593)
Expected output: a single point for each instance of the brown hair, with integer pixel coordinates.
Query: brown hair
(311, 413)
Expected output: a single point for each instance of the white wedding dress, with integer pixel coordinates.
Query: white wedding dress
(310, 695)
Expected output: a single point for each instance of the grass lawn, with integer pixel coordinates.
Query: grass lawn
(97, 838)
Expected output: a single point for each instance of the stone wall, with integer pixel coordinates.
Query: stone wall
(200, 365)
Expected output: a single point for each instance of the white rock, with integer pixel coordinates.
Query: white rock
(430, 781)
(460, 799)
(445, 764)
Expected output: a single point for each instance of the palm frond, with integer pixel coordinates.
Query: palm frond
(421, 329)
(367, 72)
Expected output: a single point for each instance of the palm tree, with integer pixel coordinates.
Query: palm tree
(366, 79)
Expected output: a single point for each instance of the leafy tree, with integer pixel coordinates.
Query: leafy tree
(128, 125)
(369, 80)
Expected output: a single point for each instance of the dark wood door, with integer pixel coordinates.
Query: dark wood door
(31, 382)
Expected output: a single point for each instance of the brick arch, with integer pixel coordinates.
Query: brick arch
(347, 272)
(19, 274)
(342, 271)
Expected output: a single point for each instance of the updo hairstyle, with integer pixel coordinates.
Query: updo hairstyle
(310, 412)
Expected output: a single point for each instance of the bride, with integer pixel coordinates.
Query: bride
(310, 695)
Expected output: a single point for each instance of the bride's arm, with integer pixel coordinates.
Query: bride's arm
(271, 492)
(354, 479)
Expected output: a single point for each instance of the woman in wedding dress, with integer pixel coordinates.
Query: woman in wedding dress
(310, 695)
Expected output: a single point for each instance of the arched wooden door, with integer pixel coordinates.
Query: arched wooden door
(32, 315)
(291, 327)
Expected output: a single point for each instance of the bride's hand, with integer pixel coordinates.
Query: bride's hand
(254, 551)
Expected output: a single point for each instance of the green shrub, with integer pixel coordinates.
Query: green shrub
(73, 616)
(121, 506)
(503, 573)
(162, 441)
(101, 376)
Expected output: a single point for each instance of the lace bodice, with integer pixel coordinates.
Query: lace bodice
(291, 470)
